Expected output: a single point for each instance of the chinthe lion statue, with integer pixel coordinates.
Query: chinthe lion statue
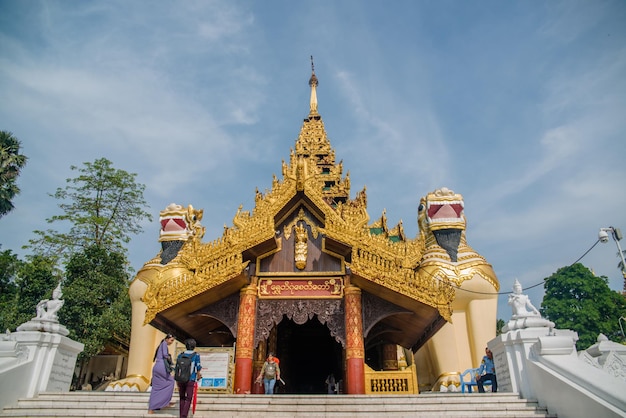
(442, 223)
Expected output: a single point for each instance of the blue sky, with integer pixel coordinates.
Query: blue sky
(520, 106)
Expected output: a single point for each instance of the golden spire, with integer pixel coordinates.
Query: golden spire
(313, 83)
(315, 156)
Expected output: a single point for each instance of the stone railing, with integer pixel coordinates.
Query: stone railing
(540, 362)
(39, 357)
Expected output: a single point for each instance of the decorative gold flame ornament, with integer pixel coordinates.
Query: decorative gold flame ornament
(300, 247)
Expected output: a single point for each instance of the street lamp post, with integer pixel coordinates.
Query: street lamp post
(603, 236)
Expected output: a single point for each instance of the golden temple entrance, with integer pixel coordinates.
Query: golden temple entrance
(308, 354)
(307, 275)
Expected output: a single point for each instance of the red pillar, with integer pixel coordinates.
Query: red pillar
(355, 351)
(245, 340)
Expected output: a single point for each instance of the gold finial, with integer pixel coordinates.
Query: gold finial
(313, 80)
(313, 83)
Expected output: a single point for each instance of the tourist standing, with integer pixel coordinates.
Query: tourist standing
(162, 380)
(270, 373)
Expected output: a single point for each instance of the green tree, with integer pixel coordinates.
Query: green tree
(11, 163)
(36, 280)
(9, 266)
(499, 325)
(103, 206)
(578, 300)
(22, 285)
(97, 308)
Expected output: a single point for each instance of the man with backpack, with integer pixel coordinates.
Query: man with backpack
(270, 373)
(186, 373)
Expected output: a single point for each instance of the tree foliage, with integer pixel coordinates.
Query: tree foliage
(11, 163)
(97, 307)
(37, 279)
(578, 300)
(9, 266)
(103, 206)
(499, 325)
(23, 284)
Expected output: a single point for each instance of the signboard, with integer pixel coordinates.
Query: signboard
(217, 369)
(296, 288)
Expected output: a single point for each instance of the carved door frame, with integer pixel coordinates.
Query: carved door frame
(330, 312)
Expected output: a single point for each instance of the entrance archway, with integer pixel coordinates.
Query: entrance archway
(308, 354)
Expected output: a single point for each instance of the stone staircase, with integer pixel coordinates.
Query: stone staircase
(134, 404)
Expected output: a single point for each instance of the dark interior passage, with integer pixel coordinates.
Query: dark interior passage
(308, 354)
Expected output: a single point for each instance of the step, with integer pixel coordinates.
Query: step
(134, 404)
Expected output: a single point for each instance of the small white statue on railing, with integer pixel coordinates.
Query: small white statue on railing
(525, 315)
(47, 319)
(519, 302)
(47, 308)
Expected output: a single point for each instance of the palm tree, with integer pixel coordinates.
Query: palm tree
(11, 162)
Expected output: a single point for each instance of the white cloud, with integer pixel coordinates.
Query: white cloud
(523, 116)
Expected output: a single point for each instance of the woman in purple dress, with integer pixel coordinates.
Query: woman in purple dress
(162, 379)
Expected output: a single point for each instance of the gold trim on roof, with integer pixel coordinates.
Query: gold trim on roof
(302, 217)
(416, 268)
(381, 223)
(398, 231)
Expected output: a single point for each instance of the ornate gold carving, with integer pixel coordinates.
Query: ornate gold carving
(302, 217)
(328, 312)
(185, 277)
(419, 268)
(311, 170)
(395, 382)
(300, 248)
(380, 224)
(247, 319)
(354, 323)
(301, 289)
